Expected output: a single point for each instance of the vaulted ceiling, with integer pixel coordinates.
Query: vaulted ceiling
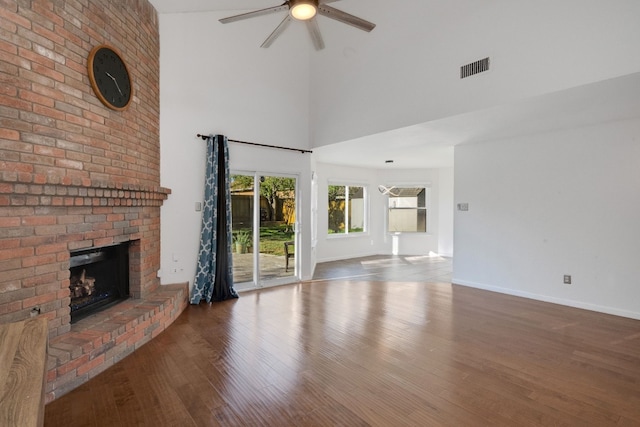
(430, 143)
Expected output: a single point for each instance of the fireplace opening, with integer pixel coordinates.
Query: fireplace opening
(98, 278)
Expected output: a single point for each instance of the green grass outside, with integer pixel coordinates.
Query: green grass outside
(272, 239)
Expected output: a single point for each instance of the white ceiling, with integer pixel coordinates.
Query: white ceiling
(173, 6)
(430, 145)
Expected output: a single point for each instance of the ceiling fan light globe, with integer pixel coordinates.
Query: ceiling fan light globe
(303, 11)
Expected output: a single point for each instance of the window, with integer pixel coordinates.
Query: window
(407, 209)
(346, 209)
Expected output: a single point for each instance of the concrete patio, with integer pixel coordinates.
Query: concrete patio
(271, 267)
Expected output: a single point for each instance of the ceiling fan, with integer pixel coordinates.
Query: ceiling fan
(306, 11)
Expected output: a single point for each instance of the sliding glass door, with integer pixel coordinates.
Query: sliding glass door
(264, 228)
(242, 201)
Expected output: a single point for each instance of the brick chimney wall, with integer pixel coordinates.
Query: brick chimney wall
(73, 173)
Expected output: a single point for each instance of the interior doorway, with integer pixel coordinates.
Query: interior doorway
(264, 227)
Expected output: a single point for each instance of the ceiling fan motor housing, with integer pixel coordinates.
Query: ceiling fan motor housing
(303, 10)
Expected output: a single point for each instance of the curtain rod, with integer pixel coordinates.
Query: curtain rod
(204, 138)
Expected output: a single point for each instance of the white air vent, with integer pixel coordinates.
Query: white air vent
(476, 67)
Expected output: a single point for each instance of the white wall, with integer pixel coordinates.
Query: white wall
(330, 248)
(551, 204)
(406, 71)
(445, 213)
(377, 241)
(215, 79)
(417, 243)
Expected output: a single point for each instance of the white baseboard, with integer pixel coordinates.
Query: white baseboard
(570, 303)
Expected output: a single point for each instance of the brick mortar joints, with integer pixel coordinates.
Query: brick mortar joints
(32, 181)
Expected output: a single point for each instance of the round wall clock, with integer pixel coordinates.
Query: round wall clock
(110, 77)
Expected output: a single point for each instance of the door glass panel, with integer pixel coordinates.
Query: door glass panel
(277, 228)
(263, 215)
(242, 202)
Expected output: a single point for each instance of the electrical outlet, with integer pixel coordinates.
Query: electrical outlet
(567, 279)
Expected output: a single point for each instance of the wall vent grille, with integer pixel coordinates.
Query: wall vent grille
(476, 67)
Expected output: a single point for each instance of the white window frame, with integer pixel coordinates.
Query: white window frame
(427, 208)
(365, 213)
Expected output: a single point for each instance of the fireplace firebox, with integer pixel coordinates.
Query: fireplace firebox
(98, 278)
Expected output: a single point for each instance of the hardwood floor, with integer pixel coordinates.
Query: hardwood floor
(358, 353)
(388, 268)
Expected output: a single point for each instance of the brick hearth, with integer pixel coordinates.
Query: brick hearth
(99, 341)
(75, 175)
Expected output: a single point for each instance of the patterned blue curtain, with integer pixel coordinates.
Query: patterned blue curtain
(214, 275)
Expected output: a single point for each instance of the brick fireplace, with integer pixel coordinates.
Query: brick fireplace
(43, 223)
(76, 175)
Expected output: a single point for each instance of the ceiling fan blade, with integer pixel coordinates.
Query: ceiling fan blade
(255, 13)
(344, 17)
(279, 29)
(314, 31)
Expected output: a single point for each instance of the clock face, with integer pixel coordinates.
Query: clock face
(110, 78)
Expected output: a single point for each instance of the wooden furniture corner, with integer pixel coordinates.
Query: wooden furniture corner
(23, 362)
(289, 252)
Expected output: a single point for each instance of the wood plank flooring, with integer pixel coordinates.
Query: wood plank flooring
(371, 353)
(388, 268)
